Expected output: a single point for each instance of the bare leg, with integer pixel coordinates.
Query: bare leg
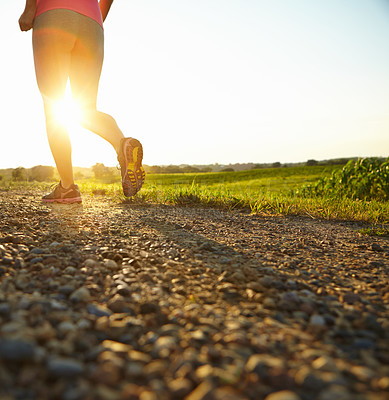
(85, 70)
(60, 146)
(52, 44)
(103, 125)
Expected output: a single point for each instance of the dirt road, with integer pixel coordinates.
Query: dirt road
(113, 300)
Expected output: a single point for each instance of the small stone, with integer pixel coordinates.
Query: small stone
(65, 327)
(336, 392)
(80, 295)
(117, 304)
(269, 302)
(206, 246)
(5, 309)
(317, 320)
(261, 363)
(283, 395)
(364, 344)
(148, 308)
(90, 263)
(70, 270)
(37, 250)
(266, 281)
(7, 260)
(64, 367)
(350, 298)
(201, 392)
(364, 374)
(66, 289)
(383, 383)
(17, 350)
(98, 311)
(180, 387)
(111, 264)
(325, 363)
(376, 247)
(309, 380)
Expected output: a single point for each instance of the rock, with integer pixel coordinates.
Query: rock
(266, 281)
(180, 387)
(37, 250)
(65, 327)
(201, 392)
(60, 367)
(117, 304)
(309, 380)
(317, 321)
(261, 363)
(90, 263)
(80, 295)
(5, 309)
(325, 363)
(350, 298)
(111, 264)
(17, 350)
(98, 311)
(148, 308)
(376, 247)
(283, 395)
(336, 392)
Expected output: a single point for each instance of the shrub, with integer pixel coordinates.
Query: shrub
(364, 179)
(41, 173)
(19, 174)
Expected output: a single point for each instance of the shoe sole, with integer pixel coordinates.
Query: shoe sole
(134, 174)
(64, 201)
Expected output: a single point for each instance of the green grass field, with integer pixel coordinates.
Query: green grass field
(266, 191)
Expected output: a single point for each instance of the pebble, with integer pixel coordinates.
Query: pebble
(61, 367)
(98, 311)
(17, 350)
(111, 265)
(283, 395)
(90, 309)
(81, 294)
(317, 320)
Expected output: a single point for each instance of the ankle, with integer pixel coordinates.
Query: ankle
(66, 185)
(118, 146)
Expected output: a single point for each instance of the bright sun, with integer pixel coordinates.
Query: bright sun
(67, 111)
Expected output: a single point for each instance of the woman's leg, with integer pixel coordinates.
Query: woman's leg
(53, 41)
(85, 70)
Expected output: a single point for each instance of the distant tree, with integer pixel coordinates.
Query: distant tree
(311, 163)
(154, 169)
(276, 164)
(171, 169)
(206, 169)
(188, 169)
(100, 170)
(19, 174)
(228, 169)
(41, 173)
(1, 177)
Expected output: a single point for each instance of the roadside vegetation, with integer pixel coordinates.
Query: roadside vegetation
(357, 191)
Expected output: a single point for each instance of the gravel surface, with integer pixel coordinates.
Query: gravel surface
(114, 300)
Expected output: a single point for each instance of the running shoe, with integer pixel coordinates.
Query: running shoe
(130, 157)
(61, 195)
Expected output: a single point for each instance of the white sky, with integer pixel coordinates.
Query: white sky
(205, 81)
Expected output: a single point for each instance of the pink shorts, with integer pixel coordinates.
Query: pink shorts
(90, 8)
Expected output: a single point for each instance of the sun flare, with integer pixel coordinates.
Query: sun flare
(67, 111)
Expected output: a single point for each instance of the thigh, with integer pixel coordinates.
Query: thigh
(53, 40)
(86, 62)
